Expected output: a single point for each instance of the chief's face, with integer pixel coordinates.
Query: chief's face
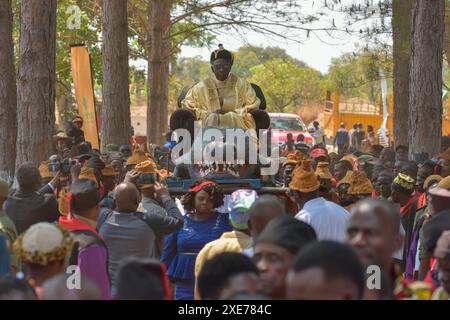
(221, 69)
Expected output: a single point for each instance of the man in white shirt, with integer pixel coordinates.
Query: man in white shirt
(350, 134)
(383, 137)
(318, 133)
(328, 219)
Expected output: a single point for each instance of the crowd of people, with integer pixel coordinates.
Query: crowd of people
(367, 222)
(110, 220)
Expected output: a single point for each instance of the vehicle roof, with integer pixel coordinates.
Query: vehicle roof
(283, 115)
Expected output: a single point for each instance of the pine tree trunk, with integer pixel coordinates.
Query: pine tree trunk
(425, 114)
(401, 29)
(36, 83)
(116, 117)
(8, 92)
(158, 70)
(447, 32)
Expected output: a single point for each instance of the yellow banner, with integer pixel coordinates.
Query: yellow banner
(84, 92)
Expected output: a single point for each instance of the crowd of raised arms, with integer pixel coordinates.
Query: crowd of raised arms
(364, 211)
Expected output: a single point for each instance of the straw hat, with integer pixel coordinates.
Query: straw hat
(323, 171)
(360, 184)
(60, 136)
(348, 178)
(138, 156)
(444, 183)
(88, 173)
(303, 178)
(293, 158)
(108, 171)
(147, 166)
(432, 178)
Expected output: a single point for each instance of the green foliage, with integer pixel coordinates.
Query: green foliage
(288, 86)
(248, 57)
(357, 75)
(191, 69)
(89, 34)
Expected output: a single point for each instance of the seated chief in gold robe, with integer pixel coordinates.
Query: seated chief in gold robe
(223, 100)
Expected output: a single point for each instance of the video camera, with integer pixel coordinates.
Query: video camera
(148, 178)
(63, 166)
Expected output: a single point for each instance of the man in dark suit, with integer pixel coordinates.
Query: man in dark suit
(29, 204)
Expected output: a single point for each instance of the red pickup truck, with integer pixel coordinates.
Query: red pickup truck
(284, 123)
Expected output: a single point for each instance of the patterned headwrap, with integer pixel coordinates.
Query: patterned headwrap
(147, 166)
(404, 181)
(43, 243)
(239, 206)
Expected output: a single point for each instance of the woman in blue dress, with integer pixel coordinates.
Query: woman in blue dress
(202, 224)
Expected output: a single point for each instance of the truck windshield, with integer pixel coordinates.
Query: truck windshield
(287, 124)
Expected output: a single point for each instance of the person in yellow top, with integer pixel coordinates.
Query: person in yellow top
(223, 100)
(235, 241)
